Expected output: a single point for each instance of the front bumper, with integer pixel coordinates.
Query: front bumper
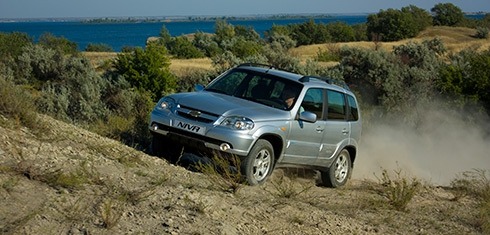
(215, 136)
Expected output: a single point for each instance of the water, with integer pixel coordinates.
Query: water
(119, 35)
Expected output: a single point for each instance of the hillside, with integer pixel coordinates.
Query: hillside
(59, 179)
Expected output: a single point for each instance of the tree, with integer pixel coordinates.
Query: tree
(392, 25)
(147, 69)
(447, 14)
(421, 18)
(341, 32)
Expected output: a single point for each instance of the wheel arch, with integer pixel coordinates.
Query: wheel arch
(352, 153)
(276, 142)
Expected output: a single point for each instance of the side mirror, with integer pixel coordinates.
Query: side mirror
(199, 87)
(307, 116)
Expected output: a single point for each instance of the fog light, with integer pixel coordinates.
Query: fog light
(224, 147)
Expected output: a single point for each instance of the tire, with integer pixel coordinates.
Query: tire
(258, 164)
(339, 172)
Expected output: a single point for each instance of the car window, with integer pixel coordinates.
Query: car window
(336, 105)
(229, 83)
(353, 110)
(313, 101)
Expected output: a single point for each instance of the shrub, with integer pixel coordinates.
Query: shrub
(60, 44)
(340, 32)
(475, 183)
(392, 24)
(188, 81)
(206, 43)
(332, 53)
(16, 103)
(11, 44)
(70, 87)
(482, 32)
(289, 188)
(222, 172)
(182, 48)
(127, 120)
(309, 32)
(397, 189)
(467, 77)
(147, 69)
(98, 47)
(447, 14)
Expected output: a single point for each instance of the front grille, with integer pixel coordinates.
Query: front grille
(204, 117)
(190, 117)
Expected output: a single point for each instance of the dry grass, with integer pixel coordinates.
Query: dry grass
(455, 39)
(182, 66)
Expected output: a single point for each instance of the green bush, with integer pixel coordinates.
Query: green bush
(393, 25)
(341, 32)
(205, 42)
(70, 87)
(60, 44)
(98, 47)
(397, 189)
(447, 14)
(15, 102)
(182, 48)
(397, 81)
(482, 32)
(147, 69)
(467, 77)
(332, 53)
(11, 44)
(309, 33)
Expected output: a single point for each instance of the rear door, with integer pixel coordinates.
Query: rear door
(337, 129)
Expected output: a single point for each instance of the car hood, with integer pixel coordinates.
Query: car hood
(225, 105)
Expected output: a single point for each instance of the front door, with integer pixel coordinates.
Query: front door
(305, 139)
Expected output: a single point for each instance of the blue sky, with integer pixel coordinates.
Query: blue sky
(121, 8)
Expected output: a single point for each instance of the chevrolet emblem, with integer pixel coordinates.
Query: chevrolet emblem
(195, 113)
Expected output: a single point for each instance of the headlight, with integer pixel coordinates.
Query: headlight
(166, 103)
(238, 123)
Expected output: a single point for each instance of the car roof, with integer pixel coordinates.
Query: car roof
(308, 81)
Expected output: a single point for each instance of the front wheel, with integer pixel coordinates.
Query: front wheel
(339, 172)
(258, 164)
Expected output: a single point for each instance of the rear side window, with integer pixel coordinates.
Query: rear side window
(353, 110)
(336, 106)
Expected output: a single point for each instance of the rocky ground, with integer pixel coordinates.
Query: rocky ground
(60, 179)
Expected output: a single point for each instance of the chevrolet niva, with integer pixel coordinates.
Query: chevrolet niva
(268, 118)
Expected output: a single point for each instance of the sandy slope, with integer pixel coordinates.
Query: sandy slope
(118, 190)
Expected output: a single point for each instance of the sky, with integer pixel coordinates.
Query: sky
(133, 8)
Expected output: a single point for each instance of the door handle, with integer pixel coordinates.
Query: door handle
(319, 129)
(345, 131)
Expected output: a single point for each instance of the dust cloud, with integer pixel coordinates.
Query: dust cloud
(441, 147)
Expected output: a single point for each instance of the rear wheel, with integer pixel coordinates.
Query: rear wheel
(258, 164)
(339, 172)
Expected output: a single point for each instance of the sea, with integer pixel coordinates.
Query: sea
(120, 35)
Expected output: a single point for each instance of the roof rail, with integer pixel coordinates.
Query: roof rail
(330, 81)
(257, 65)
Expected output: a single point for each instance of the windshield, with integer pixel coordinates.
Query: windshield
(258, 87)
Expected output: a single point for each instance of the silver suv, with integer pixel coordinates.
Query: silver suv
(269, 118)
